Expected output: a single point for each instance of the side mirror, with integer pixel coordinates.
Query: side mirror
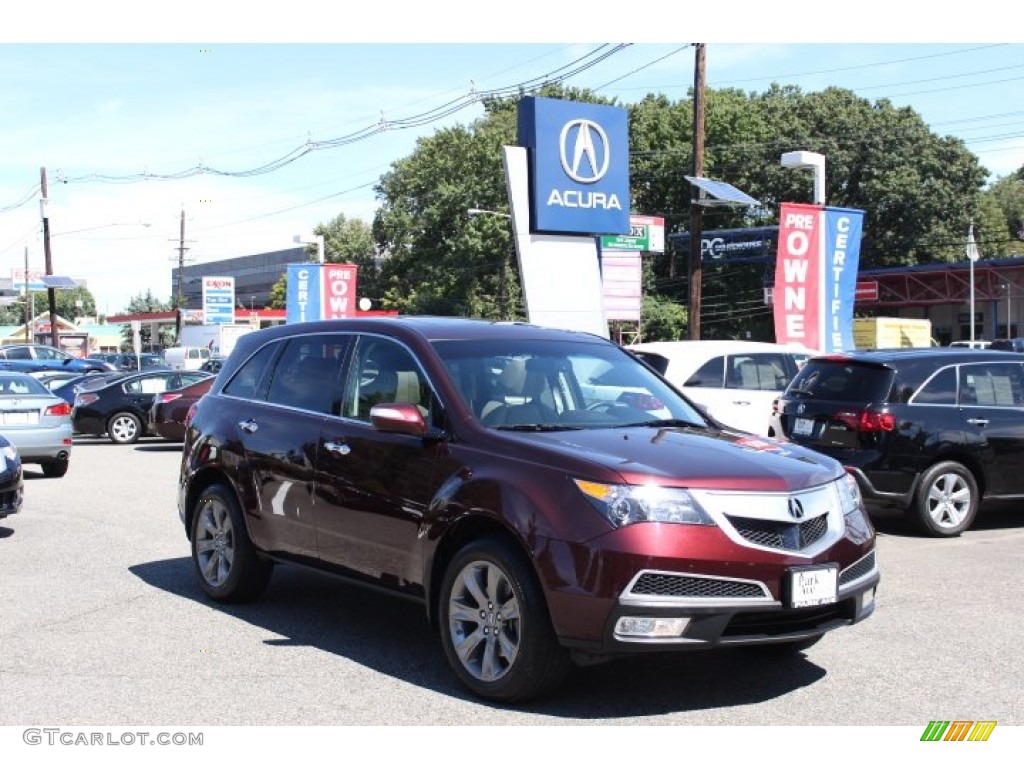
(403, 418)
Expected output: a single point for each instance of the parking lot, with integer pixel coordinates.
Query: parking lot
(102, 623)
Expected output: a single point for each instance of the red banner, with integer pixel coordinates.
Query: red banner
(339, 291)
(797, 276)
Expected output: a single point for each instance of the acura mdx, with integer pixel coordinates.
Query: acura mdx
(468, 465)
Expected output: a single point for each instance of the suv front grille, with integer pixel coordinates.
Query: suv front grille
(781, 535)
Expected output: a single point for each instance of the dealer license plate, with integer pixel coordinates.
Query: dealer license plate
(813, 586)
(803, 426)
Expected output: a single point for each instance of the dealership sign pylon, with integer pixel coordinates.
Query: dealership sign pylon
(816, 276)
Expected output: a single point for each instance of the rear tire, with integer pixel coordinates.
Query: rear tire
(495, 627)
(124, 428)
(946, 501)
(226, 562)
(57, 468)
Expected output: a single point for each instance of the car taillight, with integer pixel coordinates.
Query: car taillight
(167, 397)
(867, 421)
(775, 407)
(191, 413)
(60, 409)
(85, 398)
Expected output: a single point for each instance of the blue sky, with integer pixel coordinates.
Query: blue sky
(99, 110)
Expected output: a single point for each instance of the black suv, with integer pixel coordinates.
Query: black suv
(929, 431)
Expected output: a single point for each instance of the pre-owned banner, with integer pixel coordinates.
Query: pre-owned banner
(320, 292)
(816, 276)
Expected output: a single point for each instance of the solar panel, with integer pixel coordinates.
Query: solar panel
(719, 193)
(58, 281)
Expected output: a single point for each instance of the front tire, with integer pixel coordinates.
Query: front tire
(946, 501)
(226, 562)
(495, 627)
(124, 428)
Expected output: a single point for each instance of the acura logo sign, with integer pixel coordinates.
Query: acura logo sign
(796, 509)
(584, 161)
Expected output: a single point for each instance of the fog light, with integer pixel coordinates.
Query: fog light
(649, 626)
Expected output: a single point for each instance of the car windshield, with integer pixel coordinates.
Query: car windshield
(526, 385)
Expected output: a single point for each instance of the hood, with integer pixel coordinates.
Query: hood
(690, 457)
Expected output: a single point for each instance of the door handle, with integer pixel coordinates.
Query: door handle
(741, 402)
(340, 448)
(978, 422)
(249, 426)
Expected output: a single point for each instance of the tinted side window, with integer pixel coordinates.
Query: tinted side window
(18, 353)
(939, 390)
(999, 384)
(657, 362)
(306, 375)
(710, 374)
(249, 382)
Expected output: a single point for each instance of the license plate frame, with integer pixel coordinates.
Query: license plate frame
(803, 427)
(813, 585)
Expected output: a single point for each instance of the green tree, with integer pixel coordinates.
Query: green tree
(143, 304)
(68, 303)
(1007, 193)
(279, 293)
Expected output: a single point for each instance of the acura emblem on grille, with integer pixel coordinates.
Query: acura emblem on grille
(796, 509)
(801, 408)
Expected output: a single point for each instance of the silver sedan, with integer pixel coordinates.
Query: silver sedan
(36, 422)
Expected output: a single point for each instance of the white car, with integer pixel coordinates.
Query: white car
(735, 381)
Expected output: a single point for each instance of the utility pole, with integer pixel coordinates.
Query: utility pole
(696, 213)
(51, 294)
(28, 316)
(179, 302)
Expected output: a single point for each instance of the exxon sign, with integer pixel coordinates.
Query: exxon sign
(579, 166)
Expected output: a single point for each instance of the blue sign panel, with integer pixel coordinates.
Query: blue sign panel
(302, 301)
(218, 299)
(579, 166)
(839, 276)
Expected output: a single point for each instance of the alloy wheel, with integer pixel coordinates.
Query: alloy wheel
(484, 620)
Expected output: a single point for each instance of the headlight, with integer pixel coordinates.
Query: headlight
(10, 454)
(849, 495)
(626, 504)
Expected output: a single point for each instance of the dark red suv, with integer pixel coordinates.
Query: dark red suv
(539, 513)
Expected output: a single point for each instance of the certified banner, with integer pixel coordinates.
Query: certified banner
(816, 276)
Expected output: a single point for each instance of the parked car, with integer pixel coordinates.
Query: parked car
(213, 365)
(186, 358)
(36, 422)
(735, 381)
(129, 361)
(1010, 345)
(537, 527)
(11, 480)
(53, 379)
(36, 358)
(68, 389)
(170, 409)
(929, 431)
(119, 408)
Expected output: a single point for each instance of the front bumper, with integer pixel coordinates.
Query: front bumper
(716, 593)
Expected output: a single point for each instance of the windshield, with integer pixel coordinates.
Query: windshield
(535, 385)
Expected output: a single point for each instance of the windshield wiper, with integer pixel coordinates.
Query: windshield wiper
(799, 391)
(666, 423)
(536, 427)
